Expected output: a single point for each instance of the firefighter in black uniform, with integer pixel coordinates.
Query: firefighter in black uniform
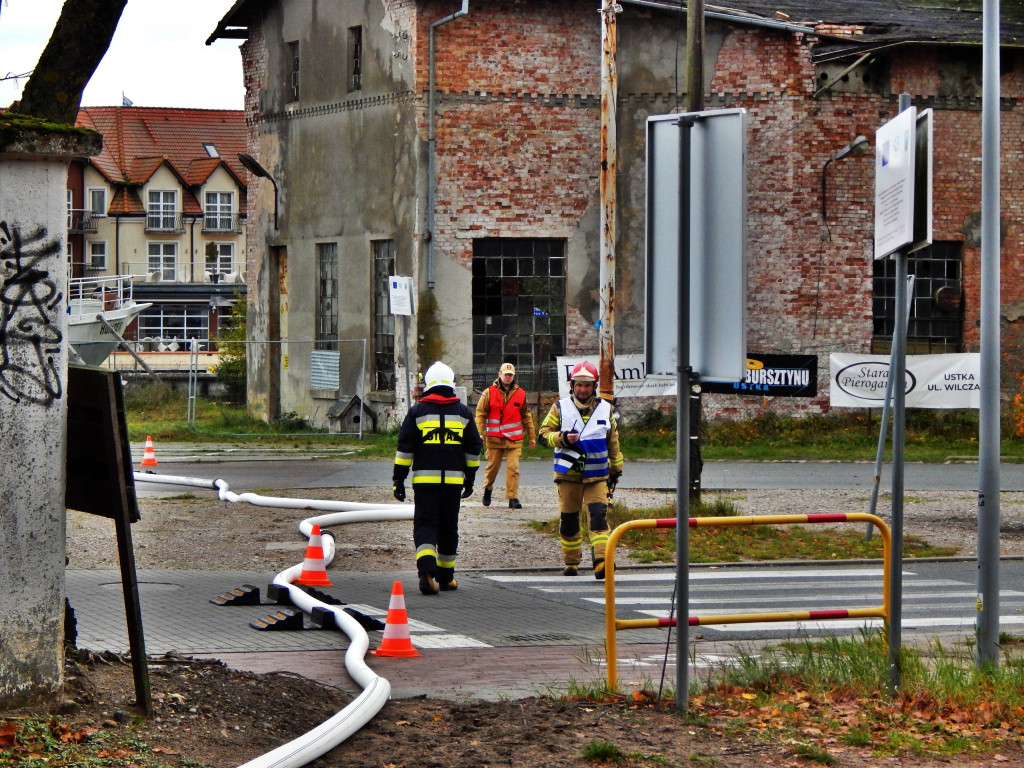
(439, 441)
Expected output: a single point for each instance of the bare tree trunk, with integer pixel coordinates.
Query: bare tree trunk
(76, 47)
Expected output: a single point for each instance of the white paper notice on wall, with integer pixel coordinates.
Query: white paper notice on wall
(400, 290)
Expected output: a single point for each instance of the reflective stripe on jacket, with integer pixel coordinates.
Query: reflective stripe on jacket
(593, 442)
(439, 442)
(504, 419)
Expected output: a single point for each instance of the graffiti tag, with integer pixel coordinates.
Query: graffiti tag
(30, 338)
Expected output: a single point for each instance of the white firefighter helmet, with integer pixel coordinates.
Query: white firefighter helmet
(583, 372)
(438, 375)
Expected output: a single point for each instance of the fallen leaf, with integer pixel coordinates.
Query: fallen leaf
(8, 735)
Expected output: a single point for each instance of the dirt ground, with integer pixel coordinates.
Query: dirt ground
(214, 716)
(209, 715)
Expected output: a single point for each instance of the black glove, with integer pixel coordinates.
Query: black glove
(467, 491)
(399, 491)
(613, 480)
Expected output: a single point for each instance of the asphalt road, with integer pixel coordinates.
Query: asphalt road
(250, 472)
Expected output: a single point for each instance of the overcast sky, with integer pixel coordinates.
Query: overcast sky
(158, 57)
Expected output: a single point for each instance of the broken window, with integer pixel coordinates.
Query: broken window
(936, 322)
(518, 309)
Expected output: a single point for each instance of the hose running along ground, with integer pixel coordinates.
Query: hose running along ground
(376, 690)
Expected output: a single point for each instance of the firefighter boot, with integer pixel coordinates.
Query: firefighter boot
(487, 497)
(446, 580)
(598, 536)
(572, 542)
(428, 585)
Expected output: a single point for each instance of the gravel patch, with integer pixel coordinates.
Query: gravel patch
(191, 529)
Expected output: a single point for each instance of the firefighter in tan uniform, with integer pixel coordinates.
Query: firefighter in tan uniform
(503, 419)
(581, 428)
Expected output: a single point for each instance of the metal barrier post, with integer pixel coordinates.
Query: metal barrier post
(613, 625)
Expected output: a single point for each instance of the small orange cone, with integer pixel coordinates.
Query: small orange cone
(149, 455)
(397, 641)
(314, 574)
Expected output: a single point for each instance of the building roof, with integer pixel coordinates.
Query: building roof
(847, 27)
(138, 140)
(853, 27)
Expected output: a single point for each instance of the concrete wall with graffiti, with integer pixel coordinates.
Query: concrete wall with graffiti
(33, 412)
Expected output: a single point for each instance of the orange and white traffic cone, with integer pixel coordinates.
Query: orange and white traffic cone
(314, 573)
(397, 641)
(149, 455)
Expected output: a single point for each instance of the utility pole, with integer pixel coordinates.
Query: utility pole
(694, 55)
(609, 159)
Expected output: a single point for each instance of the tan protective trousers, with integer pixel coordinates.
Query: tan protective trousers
(572, 498)
(511, 456)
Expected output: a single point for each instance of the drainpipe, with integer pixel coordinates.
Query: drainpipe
(431, 153)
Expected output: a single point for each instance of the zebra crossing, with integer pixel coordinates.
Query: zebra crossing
(937, 599)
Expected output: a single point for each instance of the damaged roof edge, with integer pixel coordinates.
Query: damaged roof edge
(234, 25)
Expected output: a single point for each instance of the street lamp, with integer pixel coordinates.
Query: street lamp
(258, 170)
(858, 146)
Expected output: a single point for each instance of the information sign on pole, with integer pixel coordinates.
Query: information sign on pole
(400, 290)
(715, 225)
(895, 157)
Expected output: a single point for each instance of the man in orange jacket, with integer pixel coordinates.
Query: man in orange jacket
(503, 419)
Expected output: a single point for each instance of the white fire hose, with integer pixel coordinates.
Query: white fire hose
(375, 689)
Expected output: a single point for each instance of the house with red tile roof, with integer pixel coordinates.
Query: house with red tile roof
(166, 201)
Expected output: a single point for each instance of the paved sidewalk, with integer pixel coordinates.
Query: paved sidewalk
(482, 641)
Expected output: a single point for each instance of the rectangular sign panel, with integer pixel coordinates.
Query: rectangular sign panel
(933, 381)
(894, 183)
(400, 293)
(715, 173)
(773, 376)
(923, 170)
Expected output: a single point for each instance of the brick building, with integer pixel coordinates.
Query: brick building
(484, 187)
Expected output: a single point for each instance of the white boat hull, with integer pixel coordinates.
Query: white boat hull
(92, 340)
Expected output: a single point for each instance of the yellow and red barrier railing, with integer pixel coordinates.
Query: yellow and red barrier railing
(613, 624)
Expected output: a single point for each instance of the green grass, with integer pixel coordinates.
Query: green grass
(730, 544)
(817, 693)
(844, 435)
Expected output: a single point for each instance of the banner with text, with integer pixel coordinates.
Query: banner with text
(766, 375)
(772, 376)
(630, 377)
(933, 381)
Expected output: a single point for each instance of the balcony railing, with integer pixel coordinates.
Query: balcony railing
(227, 223)
(182, 273)
(165, 222)
(81, 221)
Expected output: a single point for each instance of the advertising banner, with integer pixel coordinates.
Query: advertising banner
(933, 381)
(768, 375)
(773, 376)
(630, 377)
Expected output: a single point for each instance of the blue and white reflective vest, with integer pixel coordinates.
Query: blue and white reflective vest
(593, 442)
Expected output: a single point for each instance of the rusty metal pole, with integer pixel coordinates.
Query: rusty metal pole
(695, 56)
(609, 96)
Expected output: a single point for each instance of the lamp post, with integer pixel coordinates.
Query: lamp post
(258, 170)
(856, 147)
